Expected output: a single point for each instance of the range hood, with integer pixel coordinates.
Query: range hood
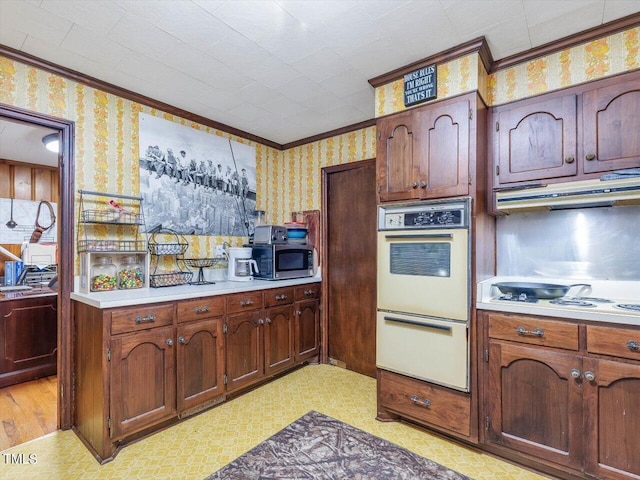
(581, 194)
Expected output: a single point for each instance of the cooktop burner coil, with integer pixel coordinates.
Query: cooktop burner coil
(572, 302)
(634, 307)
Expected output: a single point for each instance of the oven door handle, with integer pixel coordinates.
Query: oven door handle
(418, 324)
(424, 236)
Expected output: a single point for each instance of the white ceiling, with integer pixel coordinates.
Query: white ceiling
(23, 143)
(282, 70)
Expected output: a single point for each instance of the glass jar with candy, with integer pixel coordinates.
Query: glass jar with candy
(130, 273)
(103, 275)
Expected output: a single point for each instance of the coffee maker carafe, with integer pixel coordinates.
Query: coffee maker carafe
(241, 266)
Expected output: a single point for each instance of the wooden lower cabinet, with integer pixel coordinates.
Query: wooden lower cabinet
(260, 343)
(142, 380)
(142, 368)
(572, 408)
(424, 403)
(200, 364)
(539, 406)
(28, 338)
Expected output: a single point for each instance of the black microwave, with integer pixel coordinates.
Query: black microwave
(280, 262)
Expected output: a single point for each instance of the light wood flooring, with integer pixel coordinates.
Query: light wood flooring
(28, 410)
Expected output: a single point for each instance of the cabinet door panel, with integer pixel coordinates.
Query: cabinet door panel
(278, 338)
(244, 350)
(537, 405)
(200, 363)
(613, 419)
(142, 380)
(444, 154)
(538, 140)
(29, 335)
(612, 126)
(397, 170)
(307, 329)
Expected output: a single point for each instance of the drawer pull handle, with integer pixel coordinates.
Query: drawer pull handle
(538, 332)
(181, 340)
(201, 310)
(633, 346)
(590, 156)
(246, 303)
(169, 341)
(416, 400)
(308, 292)
(147, 319)
(281, 297)
(268, 320)
(575, 373)
(260, 321)
(590, 376)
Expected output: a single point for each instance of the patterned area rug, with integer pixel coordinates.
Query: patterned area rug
(319, 447)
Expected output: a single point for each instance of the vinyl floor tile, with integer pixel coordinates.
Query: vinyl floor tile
(204, 443)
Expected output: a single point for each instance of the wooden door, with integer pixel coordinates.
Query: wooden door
(278, 339)
(350, 265)
(443, 150)
(611, 120)
(307, 331)
(244, 349)
(397, 166)
(200, 362)
(143, 389)
(536, 140)
(612, 419)
(536, 405)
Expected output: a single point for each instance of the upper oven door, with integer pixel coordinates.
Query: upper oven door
(424, 272)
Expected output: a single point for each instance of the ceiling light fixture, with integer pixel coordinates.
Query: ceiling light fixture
(51, 142)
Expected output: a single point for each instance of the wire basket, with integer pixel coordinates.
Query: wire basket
(178, 247)
(169, 279)
(112, 246)
(108, 216)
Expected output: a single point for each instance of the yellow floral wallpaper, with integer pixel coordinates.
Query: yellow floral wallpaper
(106, 146)
(455, 77)
(593, 60)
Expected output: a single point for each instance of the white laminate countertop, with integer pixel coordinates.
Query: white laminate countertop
(142, 296)
(618, 291)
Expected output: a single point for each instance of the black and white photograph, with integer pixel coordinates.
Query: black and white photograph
(194, 182)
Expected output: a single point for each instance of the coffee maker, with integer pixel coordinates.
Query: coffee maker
(241, 266)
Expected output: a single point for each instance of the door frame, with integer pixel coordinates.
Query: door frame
(324, 253)
(66, 131)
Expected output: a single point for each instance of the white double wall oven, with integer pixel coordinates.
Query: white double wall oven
(424, 291)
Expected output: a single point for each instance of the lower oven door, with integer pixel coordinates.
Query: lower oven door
(425, 348)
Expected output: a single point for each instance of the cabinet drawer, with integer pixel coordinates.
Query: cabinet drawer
(140, 318)
(242, 302)
(534, 331)
(425, 403)
(200, 308)
(278, 296)
(311, 290)
(619, 342)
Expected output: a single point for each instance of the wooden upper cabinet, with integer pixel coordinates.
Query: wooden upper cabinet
(424, 152)
(444, 150)
(611, 122)
(536, 140)
(397, 167)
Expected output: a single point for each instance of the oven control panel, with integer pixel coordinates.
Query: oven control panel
(424, 215)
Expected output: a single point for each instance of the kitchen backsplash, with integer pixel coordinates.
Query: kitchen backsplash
(590, 243)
